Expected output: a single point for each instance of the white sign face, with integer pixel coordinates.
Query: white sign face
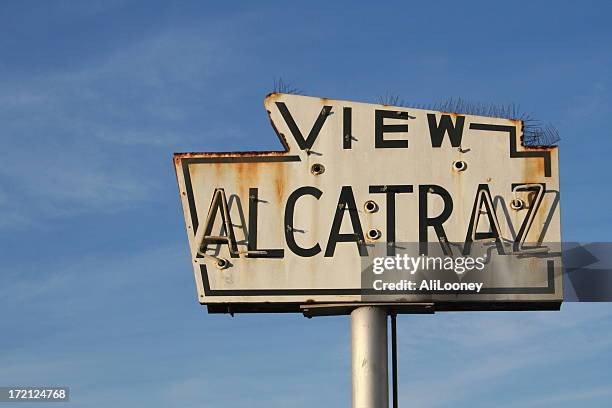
(270, 231)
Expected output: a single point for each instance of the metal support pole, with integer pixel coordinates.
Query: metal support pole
(394, 358)
(369, 357)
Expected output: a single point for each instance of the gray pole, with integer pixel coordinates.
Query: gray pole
(369, 357)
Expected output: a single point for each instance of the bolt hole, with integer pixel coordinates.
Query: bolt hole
(370, 206)
(459, 165)
(517, 204)
(374, 234)
(317, 169)
(222, 263)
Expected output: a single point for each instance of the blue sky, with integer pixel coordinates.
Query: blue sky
(96, 285)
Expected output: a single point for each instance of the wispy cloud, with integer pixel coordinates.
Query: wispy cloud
(571, 398)
(487, 349)
(71, 138)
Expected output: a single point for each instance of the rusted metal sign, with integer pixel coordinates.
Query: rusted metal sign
(271, 231)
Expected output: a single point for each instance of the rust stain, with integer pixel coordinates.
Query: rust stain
(550, 148)
(532, 170)
(247, 176)
(272, 96)
(188, 155)
(280, 182)
(453, 114)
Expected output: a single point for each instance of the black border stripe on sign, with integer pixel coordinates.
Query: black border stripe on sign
(534, 290)
(545, 154)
